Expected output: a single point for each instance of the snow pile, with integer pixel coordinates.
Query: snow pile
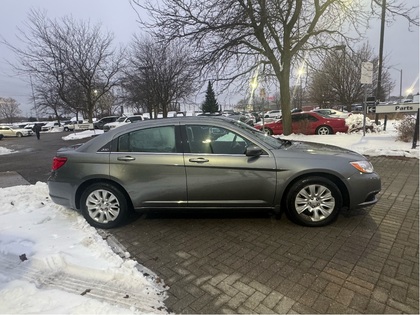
(52, 261)
(83, 134)
(355, 123)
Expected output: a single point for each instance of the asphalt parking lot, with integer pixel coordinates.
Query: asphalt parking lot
(251, 262)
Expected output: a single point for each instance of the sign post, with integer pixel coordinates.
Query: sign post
(365, 79)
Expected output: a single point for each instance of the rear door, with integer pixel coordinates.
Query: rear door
(149, 163)
(219, 174)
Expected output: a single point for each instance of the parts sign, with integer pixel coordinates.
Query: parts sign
(397, 108)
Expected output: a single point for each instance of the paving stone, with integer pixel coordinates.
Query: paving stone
(284, 305)
(254, 300)
(272, 299)
(344, 296)
(365, 262)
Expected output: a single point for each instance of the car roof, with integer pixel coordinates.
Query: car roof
(104, 138)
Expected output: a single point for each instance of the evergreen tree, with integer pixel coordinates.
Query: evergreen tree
(210, 104)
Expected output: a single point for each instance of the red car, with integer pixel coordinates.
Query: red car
(308, 123)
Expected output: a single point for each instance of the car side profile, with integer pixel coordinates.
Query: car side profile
(12, 131)
(208, 163)
(308, 123)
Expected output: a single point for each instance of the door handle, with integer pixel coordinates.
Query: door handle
(198, 160)
(125, 158)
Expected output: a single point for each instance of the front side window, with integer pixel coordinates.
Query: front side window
(158, 139)
(215, 140)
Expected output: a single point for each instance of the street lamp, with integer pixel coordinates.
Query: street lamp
(401, 72)
(301, 72)
(410, 91)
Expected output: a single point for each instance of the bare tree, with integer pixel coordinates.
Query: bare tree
(9, 109)
(66, 55)
(46, 98)
(338, 78)
(158, 76)
(237, 37)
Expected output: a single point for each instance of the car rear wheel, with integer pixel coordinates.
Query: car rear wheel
(314, 201)
(104, 206)
(323, 130)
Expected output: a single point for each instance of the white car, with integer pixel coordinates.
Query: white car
(12, 131)
(273, 114)
(123, 120)
(331, 112)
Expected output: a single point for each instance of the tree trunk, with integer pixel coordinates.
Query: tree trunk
(284, 78)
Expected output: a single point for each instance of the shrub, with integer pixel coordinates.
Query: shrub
(405, 128)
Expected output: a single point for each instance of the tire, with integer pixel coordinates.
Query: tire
(66, 129)
(314, 201)
(268, 131)
(19, 135)
(323, 130)
(104, 206)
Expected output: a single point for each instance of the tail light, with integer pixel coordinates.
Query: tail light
(58, 162)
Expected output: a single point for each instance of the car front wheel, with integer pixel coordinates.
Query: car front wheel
(314, 201)
(104, 206)
(268, 131)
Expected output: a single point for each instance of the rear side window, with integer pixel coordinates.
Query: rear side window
(159, 139)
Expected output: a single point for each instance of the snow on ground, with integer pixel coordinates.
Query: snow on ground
(52, 261)
(5, 151)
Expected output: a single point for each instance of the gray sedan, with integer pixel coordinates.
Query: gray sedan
(208, 162)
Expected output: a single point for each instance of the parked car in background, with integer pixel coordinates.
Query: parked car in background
(308, 123)
(68, 125)
(123, 120)
(331, 112)
(12, 131)
(99, 124)
(273, 114)
(207, 163)
(245, 118)
(50, 125)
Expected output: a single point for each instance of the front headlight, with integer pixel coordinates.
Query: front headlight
(363, 166)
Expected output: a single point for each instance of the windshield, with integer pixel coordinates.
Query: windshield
(275, 143)
(121, 119)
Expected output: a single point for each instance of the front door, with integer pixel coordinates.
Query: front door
(219, 173)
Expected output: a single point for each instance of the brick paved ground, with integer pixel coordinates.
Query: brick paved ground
(226, 262)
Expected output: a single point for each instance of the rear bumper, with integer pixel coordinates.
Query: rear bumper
(61, 194)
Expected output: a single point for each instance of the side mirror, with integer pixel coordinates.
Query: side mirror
(254, 151)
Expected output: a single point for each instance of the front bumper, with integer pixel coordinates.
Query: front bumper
(363, 190)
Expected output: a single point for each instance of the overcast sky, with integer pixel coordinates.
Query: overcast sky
(118, 17)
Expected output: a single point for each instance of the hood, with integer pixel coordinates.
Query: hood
(320, 149)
